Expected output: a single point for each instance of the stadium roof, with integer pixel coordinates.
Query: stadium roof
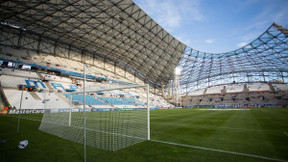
(264, 59)
(118, 29)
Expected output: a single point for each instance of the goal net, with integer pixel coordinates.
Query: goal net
(104, 118)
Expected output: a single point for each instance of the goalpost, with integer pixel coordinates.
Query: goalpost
(109, 125)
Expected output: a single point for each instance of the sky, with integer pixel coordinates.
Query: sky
(216, 26)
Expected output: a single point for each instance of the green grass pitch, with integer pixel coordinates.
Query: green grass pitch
(259, 134)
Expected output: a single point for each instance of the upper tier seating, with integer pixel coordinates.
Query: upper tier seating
(197, 93)
(8, 57)
(49, 59)
(234, 88)
(75, 65)
(20, 73)
(63, 63)
(280, 87)
(56, 78)
(214, 90)
(258, 87)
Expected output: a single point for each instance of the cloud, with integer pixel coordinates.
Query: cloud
(241, 44)
(171, 14)
(183, 39)
(258, 25)
(270, 12)
(209, 41)
(191, 9)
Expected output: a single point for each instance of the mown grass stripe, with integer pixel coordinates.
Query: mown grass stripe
(217, 150)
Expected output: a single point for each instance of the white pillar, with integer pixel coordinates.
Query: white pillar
(18, 128)
(70, 104)
(148, 113)
(84, 111)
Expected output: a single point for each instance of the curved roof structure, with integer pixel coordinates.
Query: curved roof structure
(117, 30)
(264, 59)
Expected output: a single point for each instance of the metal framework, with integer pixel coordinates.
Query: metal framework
(120, 35)
(264, 59)
(117, 32)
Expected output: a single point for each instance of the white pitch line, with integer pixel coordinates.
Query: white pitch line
(258, 130)
(192, 146)
(217, 150)
(222, 109)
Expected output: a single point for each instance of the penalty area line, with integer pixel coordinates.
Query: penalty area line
(217, 150)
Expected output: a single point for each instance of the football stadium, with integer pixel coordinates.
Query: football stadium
(101, 80)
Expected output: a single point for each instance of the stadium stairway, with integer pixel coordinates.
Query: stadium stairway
(48, 85)
(246, 89)
(224, 90)
(1, 99)
(170, 102)
(271, 87)
(63, 98)
(35, 96)
(204, 93)
(104, 101)
(40, 76)
(4, 101)
(1, 104)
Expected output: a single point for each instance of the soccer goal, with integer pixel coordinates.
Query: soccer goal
(108, 118)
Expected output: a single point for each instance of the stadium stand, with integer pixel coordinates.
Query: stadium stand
(53, 100)
(29, 102)
(259, 96)
(258, 87)
(214, 90)
(55, 78)
(113, 101)
(132, 101)
(89, 100)
(20, 73)
(196, 93)
(49, 88)
(280, 87)
(8, 81)
(234, 88)
(32, 100)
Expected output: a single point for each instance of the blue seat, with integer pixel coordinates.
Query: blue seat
(89, 100)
